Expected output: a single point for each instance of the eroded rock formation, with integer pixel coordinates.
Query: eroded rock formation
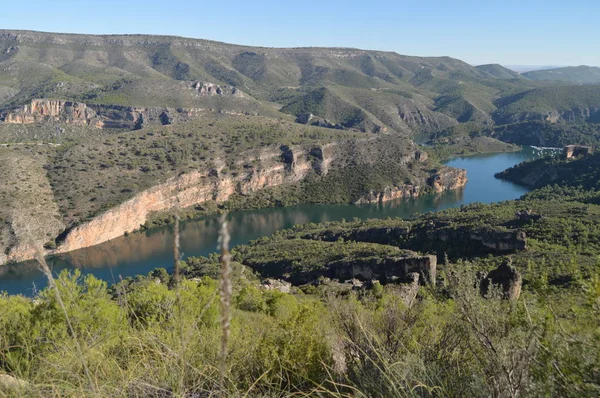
(448, 179)
(286, 165)
(506, 277)
(110, 116)
(211, 89)
(390, 193)
(387, 269)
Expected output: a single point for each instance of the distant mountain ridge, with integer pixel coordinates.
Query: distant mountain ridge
(571, 74)
(383, 89)
(499, 71)
(362, 90)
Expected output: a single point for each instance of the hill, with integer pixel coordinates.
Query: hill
(582, 172)
(161, 71)
(499, 71)
(571, 74)
(553, 104)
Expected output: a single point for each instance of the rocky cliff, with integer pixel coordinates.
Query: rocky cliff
(444, 180)
(390, 193)
(448, 179)
(112, 116)
(284, 165)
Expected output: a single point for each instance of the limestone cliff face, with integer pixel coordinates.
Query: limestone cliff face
(52, 110)
(390, 193)
(111, 116)
(211, 89)
(388, 268)
(287, 165)
(445, 180)
(448, 179)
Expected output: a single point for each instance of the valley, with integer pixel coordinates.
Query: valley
(186, 218)
(163, 123)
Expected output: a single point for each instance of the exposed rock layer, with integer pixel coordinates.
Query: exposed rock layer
(188, 190)
(109, 116)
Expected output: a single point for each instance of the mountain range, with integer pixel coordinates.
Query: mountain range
(364, 90)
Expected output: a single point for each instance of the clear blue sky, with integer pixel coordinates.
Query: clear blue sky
(525, 32)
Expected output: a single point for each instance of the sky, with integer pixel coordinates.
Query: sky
(525, 32)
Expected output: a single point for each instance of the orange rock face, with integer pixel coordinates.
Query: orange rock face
(449, 180)
(183, 191)
(52, 110)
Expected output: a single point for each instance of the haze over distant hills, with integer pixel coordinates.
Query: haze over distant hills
(572, 74)
(528, 68)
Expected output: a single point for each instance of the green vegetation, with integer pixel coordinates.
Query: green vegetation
(499, 71)
(466, 139)
(577, 172)
(150, 336)
(548, 134)
(570, 103)
(306, 333)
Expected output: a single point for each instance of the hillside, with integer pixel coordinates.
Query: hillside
(159, 71)
(583, 172)
(503, 301)
(499, 71)
(553, 104)
(91, 186)
(571, 74)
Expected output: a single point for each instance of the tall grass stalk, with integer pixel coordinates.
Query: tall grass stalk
(226, 291)
(177, 281)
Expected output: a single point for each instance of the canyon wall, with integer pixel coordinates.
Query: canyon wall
(112, 116)
(272, 166)
(286, 165)
(444, 180)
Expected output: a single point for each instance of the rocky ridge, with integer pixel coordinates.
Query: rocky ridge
(112, 116)
(285, 165)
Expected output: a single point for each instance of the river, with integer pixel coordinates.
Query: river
(141, 252)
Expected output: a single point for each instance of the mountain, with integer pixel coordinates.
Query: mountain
(571, 74)
(374, 89)
(553, 104)
(499, 71)
(582, 172)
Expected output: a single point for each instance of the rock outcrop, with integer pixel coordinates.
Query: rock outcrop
(310, 119)
(111, 116)
(276, 284)
(459, 241)
(574, 151)
(506, 277)
(100, 116)
(283, 165)
(408, 291)
(387, 269)
(382, 235)
(448, 179)
(211, 89)
(52, 110)
(389, 193)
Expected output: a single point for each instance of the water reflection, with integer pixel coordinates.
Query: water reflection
(140, 252)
